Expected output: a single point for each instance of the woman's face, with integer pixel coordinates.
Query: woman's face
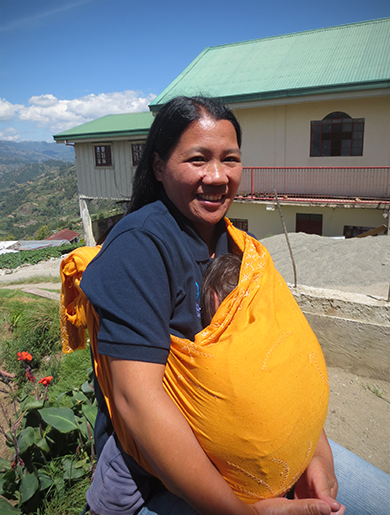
(202, 175)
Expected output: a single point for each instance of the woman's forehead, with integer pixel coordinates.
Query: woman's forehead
(208, 127)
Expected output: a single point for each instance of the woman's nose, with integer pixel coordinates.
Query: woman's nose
(215, 173)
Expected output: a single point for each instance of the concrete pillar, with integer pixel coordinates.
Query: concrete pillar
(87, 223)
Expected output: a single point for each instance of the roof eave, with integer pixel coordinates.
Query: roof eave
(297, 92)
(59, 138)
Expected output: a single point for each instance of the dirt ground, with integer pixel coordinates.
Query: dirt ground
(359, 407)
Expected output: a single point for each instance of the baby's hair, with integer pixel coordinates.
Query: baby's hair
(221, 278)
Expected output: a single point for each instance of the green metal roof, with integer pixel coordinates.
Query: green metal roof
(114, 125)
(342, 58)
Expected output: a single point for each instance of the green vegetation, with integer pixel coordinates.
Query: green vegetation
(49, 415)
(41, 198)
(38, 195)
(32, 257)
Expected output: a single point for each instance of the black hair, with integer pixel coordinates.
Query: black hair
(221, 277)
(166, 130)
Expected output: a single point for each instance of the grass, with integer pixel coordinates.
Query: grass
(70, 504)
(33, 280)
(72, 371)
(376, 390)
(29, 323)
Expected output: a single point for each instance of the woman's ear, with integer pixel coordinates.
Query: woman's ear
(158, 166)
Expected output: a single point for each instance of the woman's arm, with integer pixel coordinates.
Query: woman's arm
(319, 480)
(167, 441)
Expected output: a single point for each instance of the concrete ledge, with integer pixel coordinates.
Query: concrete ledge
(41, 293)
(353, 329)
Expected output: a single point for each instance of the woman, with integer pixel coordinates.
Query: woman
(144, 285)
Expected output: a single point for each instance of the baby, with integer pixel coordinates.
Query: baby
(220, 279)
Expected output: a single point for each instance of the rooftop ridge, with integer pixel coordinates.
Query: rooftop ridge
(302, 32)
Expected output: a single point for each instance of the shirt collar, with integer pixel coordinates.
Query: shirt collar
(197, 246)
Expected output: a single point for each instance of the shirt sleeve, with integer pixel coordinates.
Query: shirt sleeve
(131, 286)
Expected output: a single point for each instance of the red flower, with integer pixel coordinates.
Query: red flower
(29, 375)
(46, 380)
(24, 356)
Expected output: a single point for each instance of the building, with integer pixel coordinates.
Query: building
(314, 107)
(107, 151)
(65, 234)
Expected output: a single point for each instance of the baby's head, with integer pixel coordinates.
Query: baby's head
(220, 279)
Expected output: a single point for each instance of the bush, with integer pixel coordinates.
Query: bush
(35, 326)
(52, 445)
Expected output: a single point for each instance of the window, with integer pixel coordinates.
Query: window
(136, 150)
(337, 135)
(351, 231)
(308, 223)
(103, 155)
(240, 223)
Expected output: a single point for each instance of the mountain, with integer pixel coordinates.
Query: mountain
(45, 195)
(38, 188)
(38, 194)
(14, 155)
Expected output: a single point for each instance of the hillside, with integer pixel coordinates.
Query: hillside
(36, 195)
(40, 198)
(14, 155)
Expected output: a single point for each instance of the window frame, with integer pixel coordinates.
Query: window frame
(240, 223)
(108, 155)
(337, 135)
(136, 152)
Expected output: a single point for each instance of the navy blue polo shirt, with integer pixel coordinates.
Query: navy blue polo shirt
(144, 285)
(145, 282)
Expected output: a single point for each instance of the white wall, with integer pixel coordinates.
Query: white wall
(280, 135)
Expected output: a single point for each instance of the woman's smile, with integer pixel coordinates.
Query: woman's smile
(202, 175)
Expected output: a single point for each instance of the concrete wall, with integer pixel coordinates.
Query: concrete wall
(264, 219)
(279, 135)
(353, 330)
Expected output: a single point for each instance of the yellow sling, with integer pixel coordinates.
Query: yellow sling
(253, 385)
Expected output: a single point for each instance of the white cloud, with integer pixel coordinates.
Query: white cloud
(7, 110)
(43, 100)
(10, 134)
(55, 115)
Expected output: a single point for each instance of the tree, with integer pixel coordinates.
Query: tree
(42, 232)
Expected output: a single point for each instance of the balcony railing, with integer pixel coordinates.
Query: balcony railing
(357, 185)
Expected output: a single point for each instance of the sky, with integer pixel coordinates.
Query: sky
(66, 62)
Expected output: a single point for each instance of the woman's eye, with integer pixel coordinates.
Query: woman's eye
(196, 159)
(233, 159)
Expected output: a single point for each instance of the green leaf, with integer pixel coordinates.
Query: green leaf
(83, 428)
(80, 397)
(4, 464)
(71, 471)
(90, 413)
(87, 388)
(42, 444)
(28, 486)
(26, 439)
(45, 480)
(6, 508)
(61, 419)
(9, 484)
(31, 403)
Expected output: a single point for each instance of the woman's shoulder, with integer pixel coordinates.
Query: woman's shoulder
(153, 219)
